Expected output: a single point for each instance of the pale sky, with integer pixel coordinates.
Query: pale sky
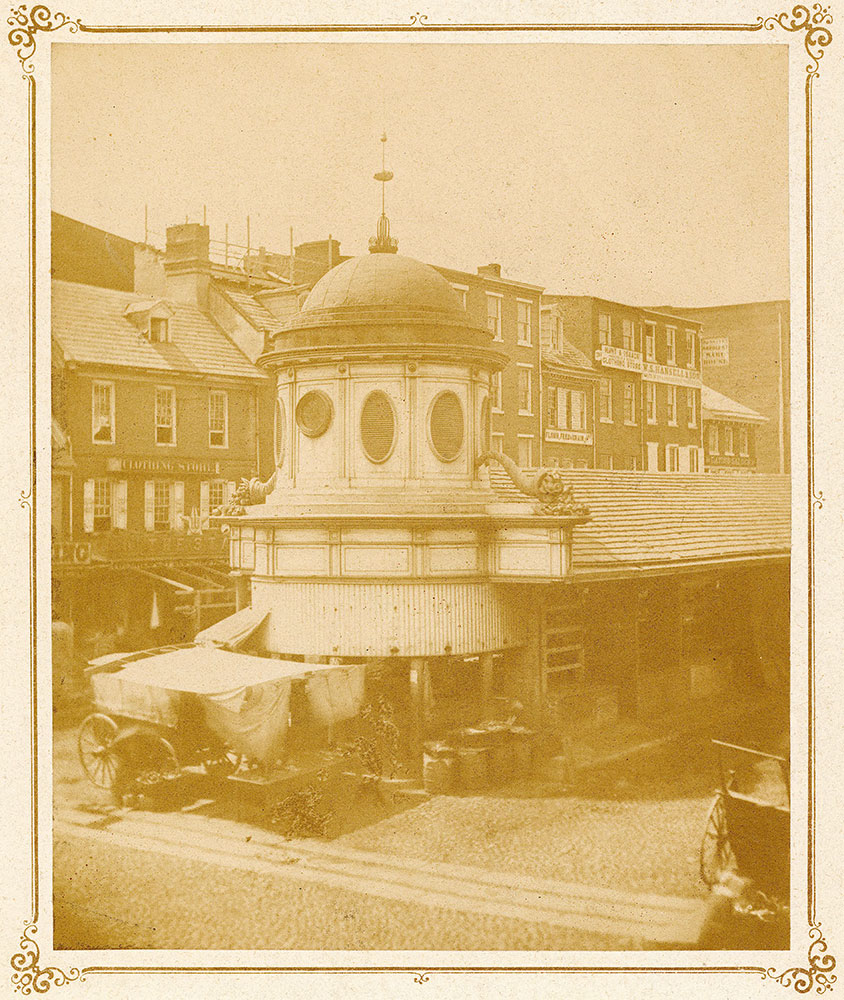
(641, 173)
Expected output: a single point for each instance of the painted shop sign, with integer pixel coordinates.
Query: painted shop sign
(715, 352)
(619, 357)
(162, 465)
(652, 372)
(568, 437)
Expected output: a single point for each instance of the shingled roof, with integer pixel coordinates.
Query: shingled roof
(717, 406)
(569, 357)
(255, 312)
(644, 522)
(90, 325)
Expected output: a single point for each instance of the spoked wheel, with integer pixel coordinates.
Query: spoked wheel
(716, 854)
(153, 760)
(96, 751)
(222, 762)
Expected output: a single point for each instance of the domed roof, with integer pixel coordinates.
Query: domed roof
(384, 280)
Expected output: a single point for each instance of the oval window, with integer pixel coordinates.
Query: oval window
(313, 413)
(280, 432)
(447, 426)
(377, 426)
(485, 444)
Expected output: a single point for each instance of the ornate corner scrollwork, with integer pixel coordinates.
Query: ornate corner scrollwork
(418, 20)
(25, 499)
(814, 23)
(28, 976)
(27, 23)
(421, 977)
(817, 500)
(818, 976)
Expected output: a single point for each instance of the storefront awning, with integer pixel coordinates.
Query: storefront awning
(232, 632)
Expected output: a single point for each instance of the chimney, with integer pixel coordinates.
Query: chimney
(187, 264)
(490, 270)
(312, 260)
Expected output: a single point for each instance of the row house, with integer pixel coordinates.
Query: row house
(729, 433)
(510, 310)
(157, 415)
(648, 410)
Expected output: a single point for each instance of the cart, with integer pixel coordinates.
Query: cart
(747, 831)
(161, 711)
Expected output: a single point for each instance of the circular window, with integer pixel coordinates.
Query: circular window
(485, 443)
(280, 432)
(313, 413)
(377, 426)
(447, 426)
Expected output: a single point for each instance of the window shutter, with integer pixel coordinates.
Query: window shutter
(118, 499)
(88, 505)
(149, 502)
(577, 406)
(204, 500)
(551, 408)
(178, 505)
(230, 488)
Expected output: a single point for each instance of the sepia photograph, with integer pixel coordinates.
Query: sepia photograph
(420, 496)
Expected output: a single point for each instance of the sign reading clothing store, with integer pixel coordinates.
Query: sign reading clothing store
(619, 357)
(162, 465)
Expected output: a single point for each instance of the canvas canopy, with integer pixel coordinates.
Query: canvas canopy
(234, 630)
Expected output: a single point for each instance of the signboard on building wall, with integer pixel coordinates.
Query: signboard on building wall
(162, 465)
(567, 437)
(669, 374)
(618, 357)
(715, 352)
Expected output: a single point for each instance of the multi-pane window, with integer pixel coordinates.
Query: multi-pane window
(714, 440)
(493, 315)
(461, 291)
(216, 494)
(159, 330)
(161, 505)
(218, 419)
(691, 406)
(691, 349)
(672, 457)
(497, 391)
(571, 409)
(671, 345)
(629, 403)
(525, 391)
(102, 505)
(744, 442)
(672, 404)
(165, 416)
(650, 401)
(558, 335)
(102, 413)
(650, 341)
(524, 332)
(628, 335)
(606, 400)
(728, 439)
(604, 328)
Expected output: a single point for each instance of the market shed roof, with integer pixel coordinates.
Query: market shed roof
(654, 521)
(717, 406)
(90, 325)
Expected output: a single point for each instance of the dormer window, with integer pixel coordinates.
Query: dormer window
(159, 330)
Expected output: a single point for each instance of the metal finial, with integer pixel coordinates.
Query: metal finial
(382, 242)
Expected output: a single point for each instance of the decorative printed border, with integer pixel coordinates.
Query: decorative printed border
(26, 23)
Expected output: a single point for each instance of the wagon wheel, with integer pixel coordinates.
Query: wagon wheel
(99, 759)
(716, 854)
(220, 762)
(154, 760)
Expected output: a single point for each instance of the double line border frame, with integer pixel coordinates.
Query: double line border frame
(27, 24)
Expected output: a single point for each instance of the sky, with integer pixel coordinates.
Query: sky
(648, 174)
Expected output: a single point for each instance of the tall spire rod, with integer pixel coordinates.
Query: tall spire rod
(382, 242)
